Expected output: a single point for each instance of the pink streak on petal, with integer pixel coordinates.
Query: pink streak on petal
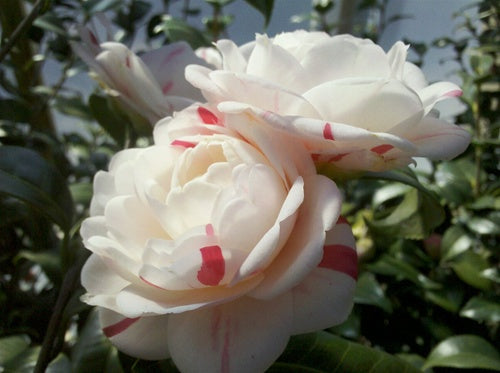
(115, 329)
(172, 55)
(213, 266)
(185, 144)
(209, 228)
(167, 87)
(381, 149)
(93, 38)
(216, 318)
(327, 132)
(207, 116)
(127, 61)
(315, 156)
(340, 258)
(337, 157)
(454, 93)
(342, 220)
(224, 368)
(150, 283)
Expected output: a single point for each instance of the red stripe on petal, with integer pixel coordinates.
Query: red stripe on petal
(93, 38)
(224, 368)
(119, 327)
(327, 132)
(207, 116)
(454, 93)
(167, 87)
(150, 283)
(173, 54)
(342, 220)
(381, 149)
(337, 157)
(213, 266)
(185, 144)
(340, 258)
(209, 229)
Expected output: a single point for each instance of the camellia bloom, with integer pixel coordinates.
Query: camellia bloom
(153, 85)
(351, 104)
(213, 250)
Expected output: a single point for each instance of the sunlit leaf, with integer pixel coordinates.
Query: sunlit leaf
(369, 291)
(468, 267)
(464, 351)
(482, 309)
(325, 352)
(12, 346)
(455, 241)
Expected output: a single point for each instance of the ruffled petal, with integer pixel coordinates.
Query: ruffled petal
(144, 338)
(325, 297)
(245, 335)
(437, 92)
(304, 248)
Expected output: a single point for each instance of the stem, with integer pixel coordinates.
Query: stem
(47, 351)
(20, 29)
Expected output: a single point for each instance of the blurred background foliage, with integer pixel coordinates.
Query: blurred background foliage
(428, 237)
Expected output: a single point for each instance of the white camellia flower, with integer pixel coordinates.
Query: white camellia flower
(153, 85)
(213, 250)
(351, 104)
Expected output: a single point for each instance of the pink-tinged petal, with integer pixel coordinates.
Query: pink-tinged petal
(323, 299)
(375, 105)
(184, 144)
(327, 132)
(304, 248)
(210, 55)
(144, 338)
(437, 139)
(232, 59)
(245, 335)
(267, 59)
(437, 92)
(167, 65)
(199, 77)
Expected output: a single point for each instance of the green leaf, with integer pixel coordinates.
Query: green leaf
(391, 266)
(24, 362)
(481, 225)
(12, 346)
(452, 183)
(49, 261)
(72, 106)
(108, 119)
(27, 176)
(98, 6)
(449, 297)
(482, 309)
(464, 351)
(455, 242)
(51, 22)
(369, 291)
(92, 349)
(60, 364)
(178, 30)
(81, 193)
(468, 268)
(415, 217)
(325, 352)
(263, 6)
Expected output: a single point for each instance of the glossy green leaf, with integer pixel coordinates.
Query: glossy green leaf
(391, 266)
(110, 121)
(468, 268)
(92, 349)
(72, 106)
(482, 309)
(351, 328)
(415, 217)
(369, 291)
(61, 364)
(455, 242)
(12, 346)
(449, 298)
(492, 274)
(81, 193)
(27, 176)
(24, 362)
(452, 183)
(464, 351)
(50, 22)
(482, 225)
(177, 30)
(98, 6)
(263, 6)
(325, 352)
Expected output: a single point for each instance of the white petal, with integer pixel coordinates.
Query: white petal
(437, 92)
(376, 105)
(397, 59)
(304, 249)
(144, 338)
(437, 139)
(325, 297)
(232, 59)
(245, 335)
(97, 278)
(413, 77)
